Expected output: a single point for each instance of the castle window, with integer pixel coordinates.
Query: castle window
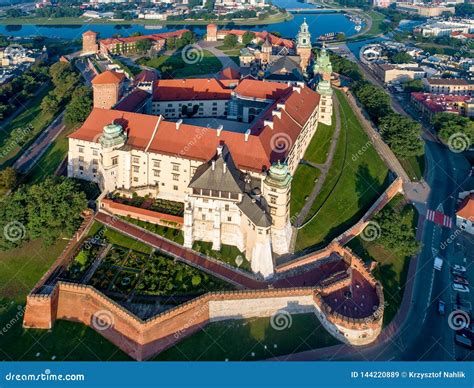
(204, 217)
(156, 173)
(175, 167)
(206, 192)
(234, 196)
(94, 171)
(115, 161)
(272, 211)
(136, 160)
(81, 149)
(176, 177)
(226, 208)
(175, 188)
(229, 219)
(95, 152)
(81, 158)
(273, 199)
(215, 193)
(136, 169)
(135, 179)
(196, 192)
(81, 168)
(95, 161)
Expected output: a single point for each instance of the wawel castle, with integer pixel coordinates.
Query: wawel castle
(226, 148)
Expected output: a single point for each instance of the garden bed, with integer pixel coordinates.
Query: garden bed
(156, 205)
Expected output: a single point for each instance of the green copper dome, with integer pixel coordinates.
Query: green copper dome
(323, 63)
(112, 135)
(278, 175)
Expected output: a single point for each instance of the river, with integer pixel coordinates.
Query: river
(318, 24)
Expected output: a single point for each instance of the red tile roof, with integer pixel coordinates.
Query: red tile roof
(154, 37)
(466, 209)
(133, 101)
(108, 77)
(261, 90)
(438, 102)
(145, 76)
(262, 35)
(229, 73)
(190, 89)
(88, 33)
(256, 154)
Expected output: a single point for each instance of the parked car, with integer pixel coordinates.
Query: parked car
(441, 307)
(460, 288)
(457, 273)
(463, 341)
(459, 268)
(460, 280)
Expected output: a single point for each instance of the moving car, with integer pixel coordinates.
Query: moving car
(460, 280)
(441, 307)
(460, 288)
(459, 268)
(438, 263)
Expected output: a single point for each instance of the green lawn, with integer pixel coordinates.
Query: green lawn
(51, 159)
(393, 266)
(21, 268)
(175, 235)
(227, 254)
(353, 183)
(301, 186)
(414, 166)
(33, 116)
(237, 340)
(174, 66)
(377, 21)
(318, 148)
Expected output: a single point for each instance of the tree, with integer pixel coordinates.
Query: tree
(50, 103)
(450, 125)
(143, 45)
(415, 85)
(230, 40)
(8, 179)
(79, 107)
(402, 134)
(248, 37)
(375, 100)
(401, 57)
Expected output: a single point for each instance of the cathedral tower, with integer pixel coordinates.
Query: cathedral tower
(303, 46)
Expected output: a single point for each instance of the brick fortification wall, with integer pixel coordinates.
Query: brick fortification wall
(144, 339)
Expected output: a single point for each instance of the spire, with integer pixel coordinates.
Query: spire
(303, 39)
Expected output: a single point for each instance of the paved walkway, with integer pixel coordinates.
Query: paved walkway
(221, 270)
(35, 151)
(225, 60)
(324, 168)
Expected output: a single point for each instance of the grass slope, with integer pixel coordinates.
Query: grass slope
(301, 187)
(353, 183)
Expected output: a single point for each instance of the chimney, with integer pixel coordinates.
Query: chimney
(269, 123)
(276, 113)
(219, 130)
(213, 165)
(225, 167)
(178, 124)
(297, 89)
(281, 106)
(219, 149)
(300, 84)
(247, 134)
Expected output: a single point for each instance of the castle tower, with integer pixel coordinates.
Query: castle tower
(276, 190)
(267, 50)
(303, 46)
(323, 70)
(89, 43)
(211, 35)
(107, 89)
(113, 136)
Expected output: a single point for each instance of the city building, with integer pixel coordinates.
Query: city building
(383, 3)
(447, 28)
(454, 86)
(388, 72)
(227, 149)
(425, 10)
(465, 214)
(15, 55)
(430, 104)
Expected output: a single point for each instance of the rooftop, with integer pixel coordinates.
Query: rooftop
(108, 77)
(466, 208)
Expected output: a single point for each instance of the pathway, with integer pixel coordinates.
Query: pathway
(324, 168)
(214, 267)
(32, 155)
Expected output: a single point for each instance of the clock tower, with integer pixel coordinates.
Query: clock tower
(303, 46)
